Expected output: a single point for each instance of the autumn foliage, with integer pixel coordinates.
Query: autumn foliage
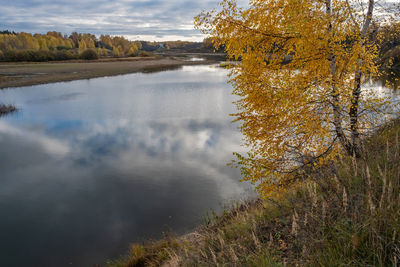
(302, 63)
(55, 46)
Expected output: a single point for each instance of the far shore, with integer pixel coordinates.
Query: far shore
(17, 74)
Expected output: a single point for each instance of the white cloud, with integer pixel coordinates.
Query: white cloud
(50, 145)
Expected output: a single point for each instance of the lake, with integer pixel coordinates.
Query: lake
(88, 167)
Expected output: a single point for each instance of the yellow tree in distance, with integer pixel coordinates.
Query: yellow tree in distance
(299, 76)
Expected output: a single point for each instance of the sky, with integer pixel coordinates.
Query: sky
(134, 19)
(151, 20)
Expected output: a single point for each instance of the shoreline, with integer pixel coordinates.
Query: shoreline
(33, 73)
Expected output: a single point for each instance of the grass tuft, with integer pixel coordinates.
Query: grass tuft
(5, 109)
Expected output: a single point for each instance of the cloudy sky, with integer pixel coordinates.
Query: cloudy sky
(135, 19)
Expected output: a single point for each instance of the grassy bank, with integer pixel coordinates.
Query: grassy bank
(347, 214)
(25, 74)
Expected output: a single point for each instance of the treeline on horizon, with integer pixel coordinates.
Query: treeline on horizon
(54, 45)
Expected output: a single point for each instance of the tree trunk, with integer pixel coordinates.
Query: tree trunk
(355, 101)
(337, 116)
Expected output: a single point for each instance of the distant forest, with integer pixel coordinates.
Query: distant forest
(56, 46)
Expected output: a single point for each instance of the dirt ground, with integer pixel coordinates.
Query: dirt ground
(25, 74)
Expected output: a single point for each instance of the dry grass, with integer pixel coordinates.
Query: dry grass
(5, 109)
(347, 214)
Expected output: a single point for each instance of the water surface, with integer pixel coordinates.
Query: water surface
(89, 166)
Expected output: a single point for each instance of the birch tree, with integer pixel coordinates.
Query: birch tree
(299, 76)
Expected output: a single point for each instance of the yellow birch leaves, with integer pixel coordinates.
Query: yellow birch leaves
(287, 83)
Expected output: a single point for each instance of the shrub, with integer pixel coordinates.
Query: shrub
(65, 55)
(134, 54)
(60, 47)
(28, 55)
(145, 54)
(89, 54)
(39, 56)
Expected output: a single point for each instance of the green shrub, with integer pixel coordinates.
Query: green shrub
(39, 56)
(89, 54)
(65, 55)
(28, 55)
(60, 47)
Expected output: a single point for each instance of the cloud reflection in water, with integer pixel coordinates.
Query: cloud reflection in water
(124, 159)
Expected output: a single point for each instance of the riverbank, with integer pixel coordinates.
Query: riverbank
(345, 214)
(26, 74)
